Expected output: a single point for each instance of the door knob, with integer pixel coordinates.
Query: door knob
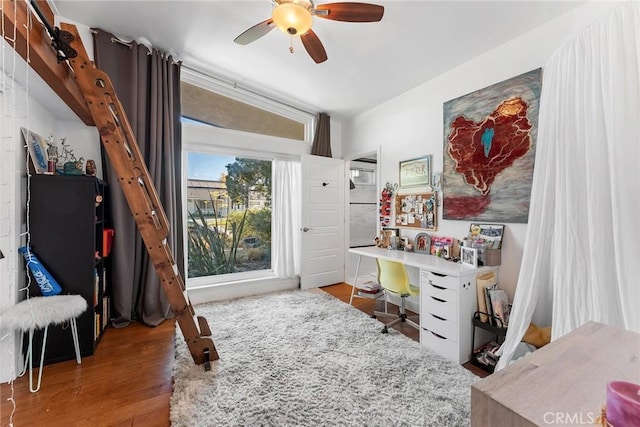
(324, 184)
(305, 229)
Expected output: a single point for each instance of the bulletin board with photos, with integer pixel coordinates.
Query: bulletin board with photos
(417, 210)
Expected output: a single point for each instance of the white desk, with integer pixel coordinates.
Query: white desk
(447, 299)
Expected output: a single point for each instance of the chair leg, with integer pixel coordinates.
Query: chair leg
(400, 317)
(76, 344)
(404, 317)
(30, 352)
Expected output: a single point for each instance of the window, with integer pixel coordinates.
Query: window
(229, 214)
(225, 125)
(225, 105)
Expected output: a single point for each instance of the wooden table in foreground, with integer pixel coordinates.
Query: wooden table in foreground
(563, 383)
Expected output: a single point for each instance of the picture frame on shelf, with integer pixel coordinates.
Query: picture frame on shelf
(37, 147)
(415, 172)
(469, 256)
(423, 243)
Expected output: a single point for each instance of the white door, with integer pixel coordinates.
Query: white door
(323, 221)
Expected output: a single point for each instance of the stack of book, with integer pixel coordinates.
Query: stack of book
(496, 306)
(370, 289)
(486, 357)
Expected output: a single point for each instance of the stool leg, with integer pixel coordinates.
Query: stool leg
(44, 345)
(27, 356)
(76, 343)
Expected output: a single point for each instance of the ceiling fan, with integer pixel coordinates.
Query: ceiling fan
(293, 17)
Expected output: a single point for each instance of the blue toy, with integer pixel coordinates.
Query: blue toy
(46, 282)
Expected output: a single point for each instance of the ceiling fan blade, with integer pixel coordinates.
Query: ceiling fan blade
(255, 32)
(350, 12)
(314, 46)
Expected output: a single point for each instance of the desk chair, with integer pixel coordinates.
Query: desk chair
(393, 278)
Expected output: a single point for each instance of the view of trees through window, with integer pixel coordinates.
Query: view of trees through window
(229, 214)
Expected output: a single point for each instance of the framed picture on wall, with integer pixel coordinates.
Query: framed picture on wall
(469, 256)
(415, 172)
(489, 151)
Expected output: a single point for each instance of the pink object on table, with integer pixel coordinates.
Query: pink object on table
(623, 404)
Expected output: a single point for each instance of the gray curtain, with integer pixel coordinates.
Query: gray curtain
(322, 139)
(148, 86)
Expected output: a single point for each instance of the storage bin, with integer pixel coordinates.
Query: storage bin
(493, 256)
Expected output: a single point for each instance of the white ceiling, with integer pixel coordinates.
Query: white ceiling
(368, 63)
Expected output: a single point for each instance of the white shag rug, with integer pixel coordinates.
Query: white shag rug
(305, 358)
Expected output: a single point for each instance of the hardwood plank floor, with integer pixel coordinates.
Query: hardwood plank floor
(127, 382)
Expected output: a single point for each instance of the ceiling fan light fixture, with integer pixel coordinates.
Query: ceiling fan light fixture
(292, 18)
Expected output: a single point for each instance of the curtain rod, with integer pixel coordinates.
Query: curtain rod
(230, 83)
(235, 85)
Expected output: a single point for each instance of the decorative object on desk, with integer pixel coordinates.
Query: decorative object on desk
(423, 243)
(47, 284)
(389, 237)
(623, 404)
(417, 210)
(491, 233)
(288, 348)
(37, 150)
(440, 245)
(90, 168)
(415, 172)
(489, 151)
(455, 248)
(404, 242)
(469, 256)
(386, 198)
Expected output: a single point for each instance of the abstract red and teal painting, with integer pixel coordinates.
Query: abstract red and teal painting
(489, 151)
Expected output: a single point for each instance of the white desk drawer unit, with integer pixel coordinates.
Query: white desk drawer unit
(447, 304)
(447, 300)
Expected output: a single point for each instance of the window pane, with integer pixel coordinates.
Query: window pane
(229, 214)
(217, 110)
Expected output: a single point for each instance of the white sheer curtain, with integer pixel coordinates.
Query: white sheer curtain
(287, 208)
(582, 251)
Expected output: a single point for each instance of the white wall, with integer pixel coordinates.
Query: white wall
(15, 112)
(410, 125)
(22, 104)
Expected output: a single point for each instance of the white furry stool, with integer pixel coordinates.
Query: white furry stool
(38, 313)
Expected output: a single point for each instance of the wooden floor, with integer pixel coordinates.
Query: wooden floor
(127, 382)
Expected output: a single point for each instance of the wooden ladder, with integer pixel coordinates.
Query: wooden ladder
(123, 151)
